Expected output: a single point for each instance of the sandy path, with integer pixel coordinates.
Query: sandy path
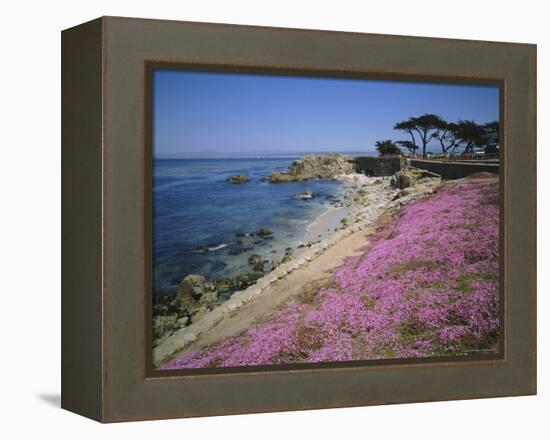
(309, 278)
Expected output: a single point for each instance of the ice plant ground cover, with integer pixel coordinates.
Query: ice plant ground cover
(427, 284)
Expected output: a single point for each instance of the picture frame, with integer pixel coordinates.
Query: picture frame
(106, 218)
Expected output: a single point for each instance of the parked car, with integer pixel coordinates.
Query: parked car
(492, 150)
(478, 152)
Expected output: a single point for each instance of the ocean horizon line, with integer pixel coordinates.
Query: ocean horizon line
(265, 155)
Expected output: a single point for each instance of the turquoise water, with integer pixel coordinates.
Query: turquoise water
(197, 216)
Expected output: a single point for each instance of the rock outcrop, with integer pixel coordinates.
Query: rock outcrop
(193, 286)
(192, 300)
(313, 166)
(409, 176)
(238, 179)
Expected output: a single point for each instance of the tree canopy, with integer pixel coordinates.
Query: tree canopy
(387, 147)
(424, 126)
(409, 128)
(470, 134)
(464, 134)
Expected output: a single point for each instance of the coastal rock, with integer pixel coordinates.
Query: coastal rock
(163, 305)
(264, 232)
(224, 284)
(183, 321)
(281, 178)
(286, 259)
(164, 324)
(238, 179)
(175, 311)
(404, 181)
(313, 166)
(254, 259)
(161, 340)
(244, 280)
(324, 166)
(260, 267)
(410, 176)
(210, 286)
(192, 286)
(241, 281)
(289, 252)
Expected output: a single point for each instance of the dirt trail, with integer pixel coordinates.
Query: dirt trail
(306, 280)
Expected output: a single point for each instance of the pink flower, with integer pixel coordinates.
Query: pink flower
(426, 285)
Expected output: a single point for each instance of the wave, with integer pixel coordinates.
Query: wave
(220, 246)
(210, 248)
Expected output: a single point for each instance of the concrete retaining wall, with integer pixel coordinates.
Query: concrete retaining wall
(454, 170)
(378, 166)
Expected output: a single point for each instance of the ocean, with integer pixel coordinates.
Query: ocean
(199, 219)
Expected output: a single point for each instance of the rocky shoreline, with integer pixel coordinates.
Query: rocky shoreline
(198, 305)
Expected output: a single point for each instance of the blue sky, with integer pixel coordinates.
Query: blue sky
(202, 114)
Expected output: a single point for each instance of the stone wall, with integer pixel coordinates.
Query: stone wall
(378, 166)
(455, 170)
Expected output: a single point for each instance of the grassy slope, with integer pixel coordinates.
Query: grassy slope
(426, 285)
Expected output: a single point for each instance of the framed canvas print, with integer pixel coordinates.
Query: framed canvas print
(262, 219)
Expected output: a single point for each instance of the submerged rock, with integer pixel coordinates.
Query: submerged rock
(238, 179)
(264, 232)
(238, 250)
(254, 259)
(281, 178)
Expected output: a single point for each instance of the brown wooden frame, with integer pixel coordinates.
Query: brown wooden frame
(106, 237)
